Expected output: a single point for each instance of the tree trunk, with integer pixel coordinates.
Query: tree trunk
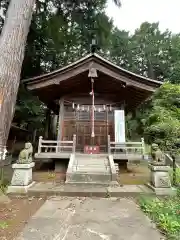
(12, 46)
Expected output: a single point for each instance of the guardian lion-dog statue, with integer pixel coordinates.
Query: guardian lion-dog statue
(158, 157)
(25, 156)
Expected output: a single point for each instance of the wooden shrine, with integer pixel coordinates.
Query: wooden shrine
(84, 96)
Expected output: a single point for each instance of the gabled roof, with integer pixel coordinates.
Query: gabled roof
(97, 58)
(112, 82)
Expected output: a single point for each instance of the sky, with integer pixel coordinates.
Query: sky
(134, 12)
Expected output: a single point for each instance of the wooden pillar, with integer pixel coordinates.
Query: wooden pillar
(54, 121)
(46, 129)
(61, 119)
(107, 128)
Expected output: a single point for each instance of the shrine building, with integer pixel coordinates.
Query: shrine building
(90, 99)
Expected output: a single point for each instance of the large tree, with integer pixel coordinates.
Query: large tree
(12, 46)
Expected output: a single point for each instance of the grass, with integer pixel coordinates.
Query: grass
(177, 175)
(3, 224)
(165, 212)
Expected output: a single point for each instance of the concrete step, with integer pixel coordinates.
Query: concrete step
(91, 155)
(91, 169)
(89, 177)
(100, 170)
(93, 165)
(92, 161)
(92, 173)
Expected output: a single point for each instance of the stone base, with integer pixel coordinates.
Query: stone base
(22, 175)
(19, 189)
(159, 177)
(162, 191)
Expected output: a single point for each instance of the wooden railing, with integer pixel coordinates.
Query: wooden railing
(126, 147)
(51, 146)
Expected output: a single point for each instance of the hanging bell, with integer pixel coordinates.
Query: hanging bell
(92, 73)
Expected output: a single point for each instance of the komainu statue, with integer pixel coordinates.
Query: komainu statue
(25, 155)
(158, 157)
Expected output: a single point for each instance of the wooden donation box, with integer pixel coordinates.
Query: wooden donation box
(91, 149)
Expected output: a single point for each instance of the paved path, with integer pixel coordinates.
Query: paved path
(62, 218)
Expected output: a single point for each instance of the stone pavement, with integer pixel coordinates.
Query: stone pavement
(86, 190)
(63, 218)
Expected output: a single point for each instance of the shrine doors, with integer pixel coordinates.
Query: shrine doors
(80, 123)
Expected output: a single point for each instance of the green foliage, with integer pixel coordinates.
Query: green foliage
(4, 224)
(30, 112)
(165, 213)
(177, 176)
(162, 120)
(158, 120)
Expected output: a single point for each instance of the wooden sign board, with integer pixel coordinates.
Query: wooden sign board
(91, 149)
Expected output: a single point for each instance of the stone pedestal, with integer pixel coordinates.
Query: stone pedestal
(160, 180)
(22, 178)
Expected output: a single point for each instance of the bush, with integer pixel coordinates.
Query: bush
(177, 176)
(165, 213)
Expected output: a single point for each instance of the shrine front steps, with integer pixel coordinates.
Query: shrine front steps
(87, 190)
(90, 169)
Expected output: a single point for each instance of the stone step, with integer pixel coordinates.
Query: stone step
(89, 177)
(92, 173)
(102, 171)
(91, 169)
(92, 155)
(93, 165)
(93, 161)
